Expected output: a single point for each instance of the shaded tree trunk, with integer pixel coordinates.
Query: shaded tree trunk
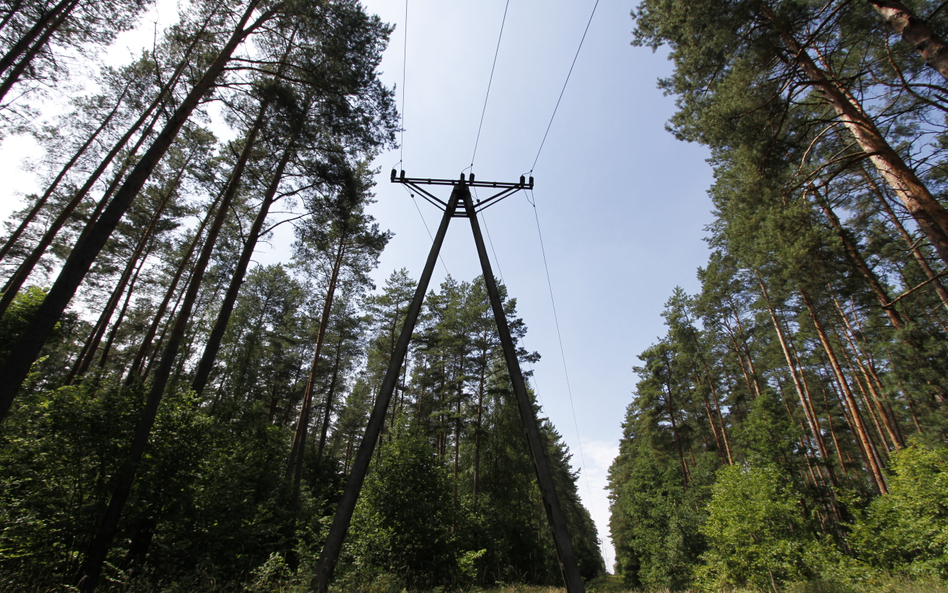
(41, 202)
(25, 268)
(88, 354)
(295, 465)
(98, 549)
(26, 48)
(28, 347)
(862, 434)
(212, 347)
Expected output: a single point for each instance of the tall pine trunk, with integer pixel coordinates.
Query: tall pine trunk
(23, 271)
(41, 202)
(28, 347)
(27, 46)
(211, 348)
(89, 350)
(911, 243)
(858, 262)
(916, 32)
(931, 216)
(808, 411)
(873, 464)
(295, 465)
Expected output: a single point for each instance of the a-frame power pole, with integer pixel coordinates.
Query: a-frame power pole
(460, 195)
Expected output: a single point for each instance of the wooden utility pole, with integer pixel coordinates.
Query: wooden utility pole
(340, 525)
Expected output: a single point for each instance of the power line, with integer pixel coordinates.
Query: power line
(489, 81)
(559, 335)
(593, 13)
(401, 141)
(536, 387)
(425, 222)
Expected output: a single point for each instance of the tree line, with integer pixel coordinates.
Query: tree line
(790, 426)
(173, 414)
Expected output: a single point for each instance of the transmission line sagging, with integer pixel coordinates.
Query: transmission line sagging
(489, 81)
(566, 82)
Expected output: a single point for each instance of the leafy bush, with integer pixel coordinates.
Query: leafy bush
(754, 530)
(907, 529)
(403, 522)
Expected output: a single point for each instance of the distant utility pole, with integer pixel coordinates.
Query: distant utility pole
(340, 525)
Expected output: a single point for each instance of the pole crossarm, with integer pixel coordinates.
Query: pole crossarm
(506, 189)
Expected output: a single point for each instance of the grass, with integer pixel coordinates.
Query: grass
(614, 584)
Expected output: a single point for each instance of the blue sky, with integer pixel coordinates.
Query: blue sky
(621, 204)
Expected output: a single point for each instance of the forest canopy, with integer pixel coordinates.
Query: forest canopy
(177, 416)
(789, 428)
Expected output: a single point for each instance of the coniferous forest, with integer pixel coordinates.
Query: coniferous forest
(176, 416)
(788, 430)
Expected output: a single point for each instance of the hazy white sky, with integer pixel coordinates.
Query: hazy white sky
(621, 204)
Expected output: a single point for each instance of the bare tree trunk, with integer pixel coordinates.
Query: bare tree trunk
(41, 202)
(26, 48)
(671, 414)
(327, 415)
(25, 268)
(930, 215)
(855, 257)
(892, 427)
(747, 353)
(88, 354)
(28, 347)
(832, 429)
(135, 370)
(206, 364)
(302, 424)
(872, 461)
(802, 392)
(720, 437)
(916, 32)
(13, 285)
(477, 426)
(96, 554)
(104, 357)
(909, 241)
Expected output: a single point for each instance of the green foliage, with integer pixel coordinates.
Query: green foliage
(404, 521)
(906, 531)
(655, 523)
(755, 531)
(59, 452)
(17, 317)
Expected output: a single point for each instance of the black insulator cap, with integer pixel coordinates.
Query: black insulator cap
(402, 177)
(472, 178)
(462, 176)
(393, 174)
(522, 180)
(531, 182)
